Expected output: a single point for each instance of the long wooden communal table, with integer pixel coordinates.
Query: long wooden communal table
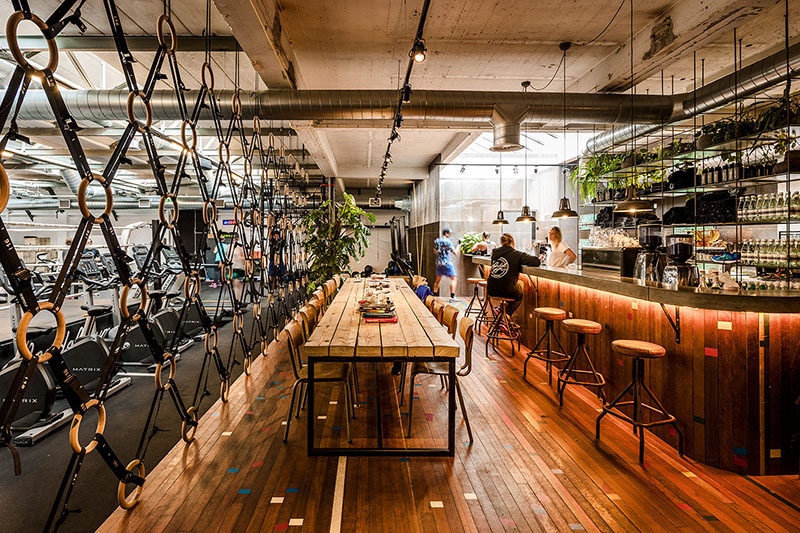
(343, 336)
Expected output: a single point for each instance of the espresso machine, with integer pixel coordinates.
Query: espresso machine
(651, 260)
(679, 273)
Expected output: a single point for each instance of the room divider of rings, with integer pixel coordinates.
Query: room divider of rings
(262, 208)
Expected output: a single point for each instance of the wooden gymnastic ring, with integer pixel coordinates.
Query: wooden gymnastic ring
(256, 125)
(255, 216)
(249, 267)
(224, 389)
(282, 152)
(227, 159)
(237, 214)
(297, 167)
(193, 129)
(76, 425)
(130, 501)
(257, 309)
(248, 166)
(271, 140)
(247, 364)
(123, 300)
(208, 217)
(236, 104)
(226, 274)
(162, 216)
(159, 366)
(5, 189)
(191, 286)
(142, 128)
(264, 347)
(208, 337)
(188, 430)
(22, 331)
(204, 80)
(84, 207)
(238, 322)
(13, 45)
(173, 45)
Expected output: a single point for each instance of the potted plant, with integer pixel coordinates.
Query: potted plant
(335, 234)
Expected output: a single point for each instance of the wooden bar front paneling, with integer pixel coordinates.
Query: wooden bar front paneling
(713, 381)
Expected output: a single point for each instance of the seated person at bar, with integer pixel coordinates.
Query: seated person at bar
(506, 265)
(560, 253)
(484, 246)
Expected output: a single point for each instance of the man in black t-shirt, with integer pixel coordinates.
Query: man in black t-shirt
(506, 265)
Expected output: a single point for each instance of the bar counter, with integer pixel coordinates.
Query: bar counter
(732, 371)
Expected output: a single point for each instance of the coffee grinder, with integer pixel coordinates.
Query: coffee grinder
(679, 273)
(651, 260)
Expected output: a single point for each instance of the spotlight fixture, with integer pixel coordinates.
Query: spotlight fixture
(632, 204)
(516, 169)
(463, 169)
(419, 51)
(497, 169)
(501, 218)
(406, 90)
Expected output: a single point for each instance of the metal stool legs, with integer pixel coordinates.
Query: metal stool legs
(477, 302)
(565, 377)
(495, 333)
(536, 352)
(638, 388)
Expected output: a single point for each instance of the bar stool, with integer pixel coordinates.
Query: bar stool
(502, 327)
(569, 375)
(549, 315)
(639, 351)
(486, 314)
(476, 300)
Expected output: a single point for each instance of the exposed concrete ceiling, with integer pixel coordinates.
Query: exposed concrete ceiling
(490, 46)
(473, 45)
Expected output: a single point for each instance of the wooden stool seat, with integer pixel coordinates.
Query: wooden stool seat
(550, 313)
(635, 348)
(482, 283)
(501, 299)
(579, 325)
(475, 281)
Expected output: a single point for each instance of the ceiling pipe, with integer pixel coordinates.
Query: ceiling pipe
(438, 108)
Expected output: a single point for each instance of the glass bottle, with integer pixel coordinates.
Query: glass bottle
(741, 208)
(795, 205)
(757, 252)
(758, 215)
(794, 254)
(780, 211)
(772, 209)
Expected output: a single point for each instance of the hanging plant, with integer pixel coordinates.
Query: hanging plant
(336, 234)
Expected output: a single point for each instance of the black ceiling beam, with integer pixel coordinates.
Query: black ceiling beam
(105, 43)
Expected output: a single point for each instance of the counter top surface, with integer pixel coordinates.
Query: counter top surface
(784, 301)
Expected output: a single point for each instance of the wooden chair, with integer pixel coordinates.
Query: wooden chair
(316, 303)
(323, 373)
(437, 309)
(440, 368)
(309, 313)
(449, 319)
(429, 303)
(338, 279)
(303, 320)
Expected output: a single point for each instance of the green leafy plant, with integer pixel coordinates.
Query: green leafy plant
(468, 241)
(335, 234)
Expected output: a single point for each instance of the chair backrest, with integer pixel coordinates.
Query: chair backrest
(467, 331)
(304, 315)
(429, 303)
(338, 279)
(437, 309)
(294, 334)
(311, 316)
(319, 294)
(450, 319)
(316, 303)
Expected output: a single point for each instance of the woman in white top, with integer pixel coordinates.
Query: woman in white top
(560, 253)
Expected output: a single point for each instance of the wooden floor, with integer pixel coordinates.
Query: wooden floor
(532, 466)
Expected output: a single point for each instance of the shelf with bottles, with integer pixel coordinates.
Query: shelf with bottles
(782, 252)
(771, 208)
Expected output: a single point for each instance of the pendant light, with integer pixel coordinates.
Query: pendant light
(501, 218)
(632, 204)
(564, 210)
(526, 215)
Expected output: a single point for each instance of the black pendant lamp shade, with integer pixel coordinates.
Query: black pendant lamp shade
(564, 210)
(632, 204)
(501, 218)
(527, 215)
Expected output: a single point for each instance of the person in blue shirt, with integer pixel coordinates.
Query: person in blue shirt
(444, 248)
